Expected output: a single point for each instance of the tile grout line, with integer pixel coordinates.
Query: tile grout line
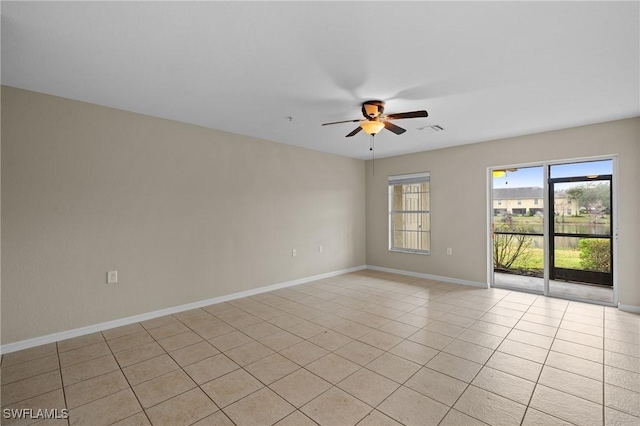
(180, 367)
(543, 365)
(127, 379)
(483, 365)
(439, 352)
(64, 393)
(412, 375)
(604, 388)
(199, 386)
(360, 367)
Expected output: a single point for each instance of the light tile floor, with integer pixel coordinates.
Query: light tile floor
(366, 348)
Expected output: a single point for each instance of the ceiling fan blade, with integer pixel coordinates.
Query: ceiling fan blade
(339, 122)
(354, 132)
(395, 129)
(412, 114)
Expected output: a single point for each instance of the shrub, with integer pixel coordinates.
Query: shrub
(595, 254)
(507, 248)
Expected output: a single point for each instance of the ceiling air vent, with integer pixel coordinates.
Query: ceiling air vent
(431, 129)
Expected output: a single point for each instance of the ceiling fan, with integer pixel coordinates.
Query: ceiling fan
(374, 120)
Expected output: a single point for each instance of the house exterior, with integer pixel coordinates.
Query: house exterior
(529, 201)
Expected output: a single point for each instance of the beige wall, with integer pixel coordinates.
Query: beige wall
(184, 213)
(459, 180)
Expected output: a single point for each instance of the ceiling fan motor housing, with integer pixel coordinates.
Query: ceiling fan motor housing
(372, 109)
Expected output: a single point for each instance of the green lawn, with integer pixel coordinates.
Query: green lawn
(566, 258)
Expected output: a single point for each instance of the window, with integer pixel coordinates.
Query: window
(499, 202)
(519, 202)
(409, 213)
(535, 201)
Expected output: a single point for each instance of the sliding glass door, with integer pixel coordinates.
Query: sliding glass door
(581, 236)
(517, 228)
(552, 229)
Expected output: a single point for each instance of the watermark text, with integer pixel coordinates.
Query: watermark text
(35, 413)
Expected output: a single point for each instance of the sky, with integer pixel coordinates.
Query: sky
(533, 176)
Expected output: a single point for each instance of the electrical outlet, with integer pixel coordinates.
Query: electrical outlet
(319, 249)
(112, 277)
(449, 251)
(294, 253)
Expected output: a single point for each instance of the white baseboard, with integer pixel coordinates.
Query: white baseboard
(629, 308)
(63, 335)
(429, 276)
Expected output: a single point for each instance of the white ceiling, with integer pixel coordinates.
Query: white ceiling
(482, 70)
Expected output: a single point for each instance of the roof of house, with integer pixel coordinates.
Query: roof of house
(517, 193)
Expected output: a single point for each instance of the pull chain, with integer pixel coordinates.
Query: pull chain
(373, 154)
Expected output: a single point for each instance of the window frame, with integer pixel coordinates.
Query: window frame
(393, 181)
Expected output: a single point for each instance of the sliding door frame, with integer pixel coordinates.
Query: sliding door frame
(547, 223)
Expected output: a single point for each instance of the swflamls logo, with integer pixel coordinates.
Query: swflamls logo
(35, 413)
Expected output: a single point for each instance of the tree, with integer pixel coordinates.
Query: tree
(562, 206)
(595, 199)
(597, 196)
(576, 194)
(596, 211)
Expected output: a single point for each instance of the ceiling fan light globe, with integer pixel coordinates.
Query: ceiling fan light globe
(371, 127)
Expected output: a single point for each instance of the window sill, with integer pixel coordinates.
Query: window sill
(410, 251)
